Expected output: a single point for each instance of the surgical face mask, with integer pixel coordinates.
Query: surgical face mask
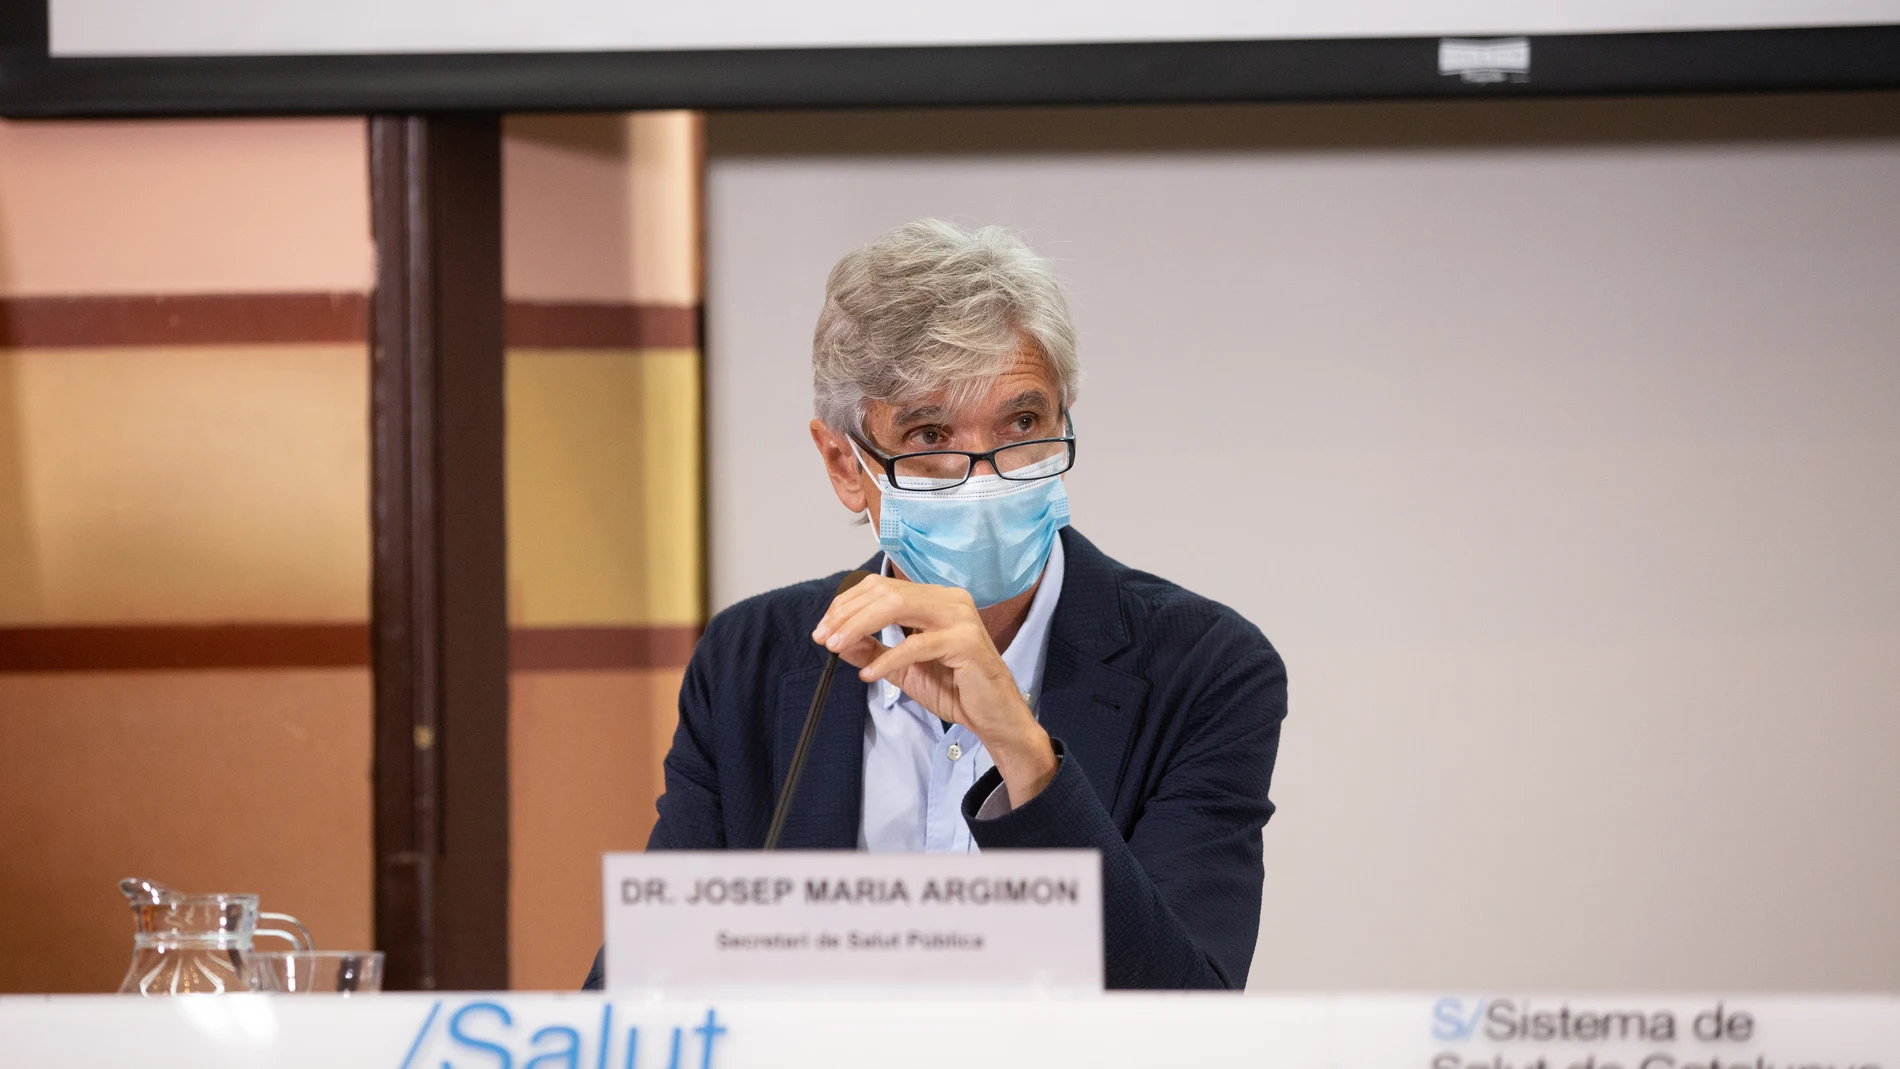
(991, 535)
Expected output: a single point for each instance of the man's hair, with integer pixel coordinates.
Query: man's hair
(931, 306)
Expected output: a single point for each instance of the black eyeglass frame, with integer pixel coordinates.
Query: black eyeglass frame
(889, 463)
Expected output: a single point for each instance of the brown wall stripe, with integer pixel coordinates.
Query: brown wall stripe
(538, 325)
(548, 649)
(183, 319)
(284, 318)
(173, 647)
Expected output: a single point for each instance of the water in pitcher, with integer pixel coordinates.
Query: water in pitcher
(186, 944)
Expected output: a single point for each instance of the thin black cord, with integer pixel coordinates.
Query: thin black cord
(805, 735)
(799, 754)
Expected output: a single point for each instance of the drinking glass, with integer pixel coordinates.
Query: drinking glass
(321, 972)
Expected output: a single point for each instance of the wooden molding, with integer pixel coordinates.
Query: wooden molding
(438, 573)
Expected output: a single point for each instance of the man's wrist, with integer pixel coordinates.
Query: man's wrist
(1027, 764)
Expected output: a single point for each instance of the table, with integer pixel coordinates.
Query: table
(577, 1031)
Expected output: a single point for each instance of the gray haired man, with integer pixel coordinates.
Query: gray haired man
(1018, 688)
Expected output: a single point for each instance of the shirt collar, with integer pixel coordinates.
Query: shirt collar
(1024, 656)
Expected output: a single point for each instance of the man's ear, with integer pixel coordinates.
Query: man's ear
(841, 465)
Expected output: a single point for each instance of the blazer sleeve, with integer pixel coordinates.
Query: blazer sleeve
(689, 809)
(1181, 892)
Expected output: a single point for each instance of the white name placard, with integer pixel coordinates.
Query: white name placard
(848, 921)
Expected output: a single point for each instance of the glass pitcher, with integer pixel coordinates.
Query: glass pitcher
(195, 944)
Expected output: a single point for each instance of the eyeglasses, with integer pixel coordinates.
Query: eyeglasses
(942, 469)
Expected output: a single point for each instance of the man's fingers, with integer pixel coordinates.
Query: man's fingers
(896, 603)
(844, 605)
(923, 646)
(872, 616)
(861, 652)
(878, 602)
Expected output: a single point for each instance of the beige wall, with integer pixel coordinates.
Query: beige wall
(173, 485)
(603, 487)
(604, 464)
(180, 485)
(604, 208)
(207, 781)
(208, 483)
(585, 758)
(229, 482)
(604, 505)
(1553, 443)
(178, 206)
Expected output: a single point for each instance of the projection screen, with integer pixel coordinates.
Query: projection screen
(309, 27)
(160, 57)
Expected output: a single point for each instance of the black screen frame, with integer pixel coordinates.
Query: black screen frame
(35, 85)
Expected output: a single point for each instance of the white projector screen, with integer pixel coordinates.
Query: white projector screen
(85, 58)
(1554, 445)
(313, 27)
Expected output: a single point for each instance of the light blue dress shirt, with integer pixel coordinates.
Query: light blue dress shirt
(915, 772)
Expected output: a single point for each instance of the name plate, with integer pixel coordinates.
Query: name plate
(799, 920)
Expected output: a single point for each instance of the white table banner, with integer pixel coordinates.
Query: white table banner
(509, 1031)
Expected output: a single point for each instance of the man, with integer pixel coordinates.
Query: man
(1015, 687)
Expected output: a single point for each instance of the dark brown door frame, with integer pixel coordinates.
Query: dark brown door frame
(439, 635)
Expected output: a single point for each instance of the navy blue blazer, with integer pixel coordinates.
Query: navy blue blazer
(1165, 709)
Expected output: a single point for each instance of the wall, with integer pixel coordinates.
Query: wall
(183, 467)
(1551, 442)
(184, 535)
(605, 536)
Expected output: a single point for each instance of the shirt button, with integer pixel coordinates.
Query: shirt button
(955, 751)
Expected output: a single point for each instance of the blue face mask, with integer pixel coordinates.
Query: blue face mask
(991, 536)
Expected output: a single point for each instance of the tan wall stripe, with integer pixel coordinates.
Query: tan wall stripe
(161, 647)
(288, 318)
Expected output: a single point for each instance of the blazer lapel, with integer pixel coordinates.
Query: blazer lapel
(1092, 707)
(827, 810)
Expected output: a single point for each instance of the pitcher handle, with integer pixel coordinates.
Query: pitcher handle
(299, 939)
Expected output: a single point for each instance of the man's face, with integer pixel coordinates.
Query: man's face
(1024, 402)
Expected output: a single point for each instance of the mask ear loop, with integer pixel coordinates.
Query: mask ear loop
(883, 486)
(875, 477)
(864, 518)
